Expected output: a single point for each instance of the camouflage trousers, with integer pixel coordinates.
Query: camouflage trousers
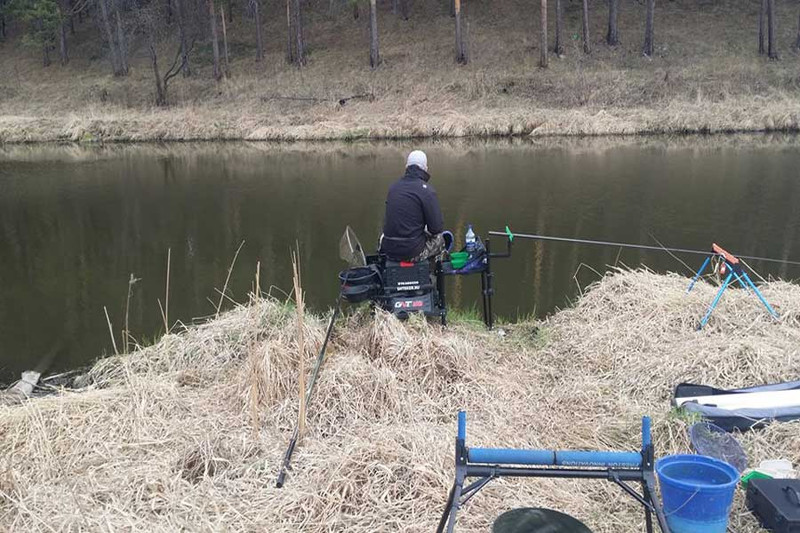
(434, 245)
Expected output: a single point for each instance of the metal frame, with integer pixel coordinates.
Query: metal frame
(734, 269)
(487, 279)
(617, 467)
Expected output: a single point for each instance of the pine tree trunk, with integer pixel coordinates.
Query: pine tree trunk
(62, 42)
(70, 7)
(762, 23)
(123, 48)
(112, 43)
(181, 15)
(355, 11)
(543, 36)
(395, 9)
(161, 90)
(212, 14)
(586, 48)
(230, 11)
(404, 9)
(649, 45)
(558, 48)
(797, 42)
(289, 34)
(461, 56)
(259, 39)
(612, 38)
(452, 8)
(300, 59)
(772, 33)
(374, 55)
(169, 12)
(225, 43)
(45, 55)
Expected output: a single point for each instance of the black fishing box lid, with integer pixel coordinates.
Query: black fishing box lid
(776, 503)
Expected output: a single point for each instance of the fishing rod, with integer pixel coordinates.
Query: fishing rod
(351, 251)
(511, 235)
(296, 434)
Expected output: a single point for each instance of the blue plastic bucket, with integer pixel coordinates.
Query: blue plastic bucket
(697, 492)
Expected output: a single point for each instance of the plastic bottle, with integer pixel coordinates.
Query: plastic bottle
(470, 239)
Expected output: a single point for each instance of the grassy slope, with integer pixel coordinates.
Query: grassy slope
(188, 434)
(705, 76)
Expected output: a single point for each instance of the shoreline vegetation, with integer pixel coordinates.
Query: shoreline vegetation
(705, 75)
(189, 433)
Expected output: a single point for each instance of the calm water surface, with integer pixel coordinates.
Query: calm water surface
(76, 222)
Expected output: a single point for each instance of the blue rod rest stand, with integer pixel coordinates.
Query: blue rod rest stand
(486, 464)
(734, 270)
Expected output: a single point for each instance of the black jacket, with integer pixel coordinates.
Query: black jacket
(411, 207)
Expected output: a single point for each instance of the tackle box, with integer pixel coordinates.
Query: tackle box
(776, 503)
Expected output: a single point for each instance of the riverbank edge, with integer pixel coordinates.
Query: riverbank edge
(181, 125)
(201, 378)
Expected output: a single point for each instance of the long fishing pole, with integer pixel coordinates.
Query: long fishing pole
(296, 434)
(509, 234)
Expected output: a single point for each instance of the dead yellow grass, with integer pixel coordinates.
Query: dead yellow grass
(166, 438)
(705, 77)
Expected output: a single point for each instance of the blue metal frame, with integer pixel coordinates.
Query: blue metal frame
(487, 464)
(736, 271)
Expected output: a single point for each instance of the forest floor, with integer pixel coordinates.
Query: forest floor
(189, 434)
(705, 76)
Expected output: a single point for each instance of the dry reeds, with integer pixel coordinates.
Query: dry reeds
(149, 449)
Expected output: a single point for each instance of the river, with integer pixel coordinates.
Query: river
(76, 222)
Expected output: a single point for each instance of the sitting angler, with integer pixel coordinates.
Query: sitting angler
(413, 226)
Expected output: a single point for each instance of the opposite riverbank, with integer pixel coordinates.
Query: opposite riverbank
(705, 76)
(189, 433)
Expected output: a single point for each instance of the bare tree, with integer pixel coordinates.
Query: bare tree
(762, 24)
(649, 45)
(772, 47)
(461, 52)
(543, 36)
(586, 48)
(558, 48)
(612, 37)
(374, 56)
(150, 19)
(212, 15)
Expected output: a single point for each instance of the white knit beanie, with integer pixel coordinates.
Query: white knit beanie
(418, 157)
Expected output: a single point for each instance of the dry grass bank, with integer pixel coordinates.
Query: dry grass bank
(704, 77)
(189, 433)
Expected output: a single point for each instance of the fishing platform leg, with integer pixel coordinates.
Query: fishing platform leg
(699, 273)
(713, 305)
(760, 296)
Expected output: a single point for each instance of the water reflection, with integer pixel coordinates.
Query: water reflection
(75, 222)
